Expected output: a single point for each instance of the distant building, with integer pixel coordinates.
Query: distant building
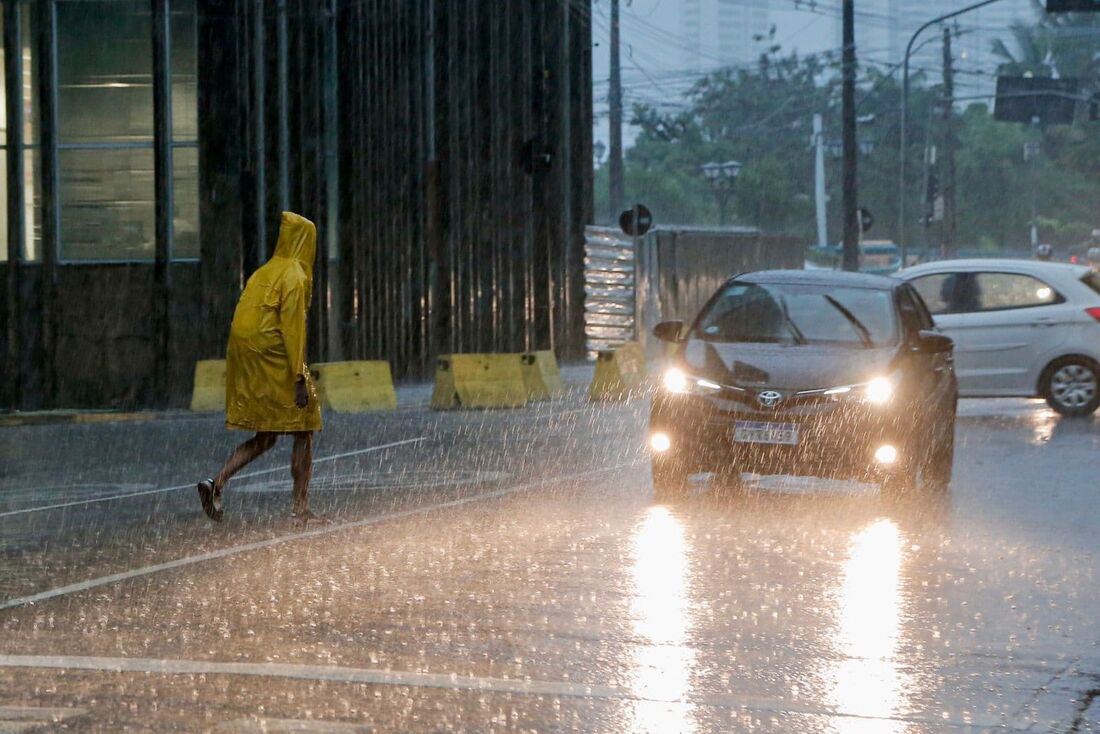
(723, 32)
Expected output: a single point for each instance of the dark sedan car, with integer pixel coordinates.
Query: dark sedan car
(805, 372)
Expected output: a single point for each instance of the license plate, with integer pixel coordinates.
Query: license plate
(764, 432)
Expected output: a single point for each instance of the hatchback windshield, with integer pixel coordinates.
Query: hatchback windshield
(800, 314)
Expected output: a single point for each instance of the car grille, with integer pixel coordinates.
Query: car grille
(793, 404)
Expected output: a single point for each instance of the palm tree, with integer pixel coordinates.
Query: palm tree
(1065, 45)
(1033, 54)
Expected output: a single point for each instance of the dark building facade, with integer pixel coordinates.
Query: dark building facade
(443, 147)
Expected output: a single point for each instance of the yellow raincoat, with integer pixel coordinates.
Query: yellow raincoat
(267, 342)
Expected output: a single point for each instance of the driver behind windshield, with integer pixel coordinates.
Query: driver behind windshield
(795, 314)
(747, 314)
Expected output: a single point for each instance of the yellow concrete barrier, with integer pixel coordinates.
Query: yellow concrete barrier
(541, 376)
(478, 381)
(355, 387)
(209, 392)
(619, 372)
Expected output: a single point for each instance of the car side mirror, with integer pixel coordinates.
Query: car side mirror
(933, 342)
(668, 331)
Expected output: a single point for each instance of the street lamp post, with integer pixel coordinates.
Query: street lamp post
(721, 177)
(905, 114)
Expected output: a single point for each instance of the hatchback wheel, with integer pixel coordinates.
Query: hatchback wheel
(1070, 386)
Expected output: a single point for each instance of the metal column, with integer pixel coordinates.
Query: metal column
(283, 109)
(46, 43)
(162, 166)
(258, 255)
(17, 226)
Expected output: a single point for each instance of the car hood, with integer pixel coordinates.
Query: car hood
(790, 367)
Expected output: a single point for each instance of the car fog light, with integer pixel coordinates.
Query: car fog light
(886, 454)
(660, 442)
(879, 391)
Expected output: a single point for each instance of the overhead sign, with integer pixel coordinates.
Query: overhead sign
(1073, 6)
(636, 221)
(1035, 100)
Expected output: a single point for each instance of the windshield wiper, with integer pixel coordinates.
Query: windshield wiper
(861, 329)
(799, 337)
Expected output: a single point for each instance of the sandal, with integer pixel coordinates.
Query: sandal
(211, 500)
(301, 518)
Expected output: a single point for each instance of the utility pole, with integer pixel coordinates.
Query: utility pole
(615, 104)
(949, 142)
(850, 260)
(819, 180)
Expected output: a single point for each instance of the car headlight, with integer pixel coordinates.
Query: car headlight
(879, 391)
(876, 391)
(675, 380)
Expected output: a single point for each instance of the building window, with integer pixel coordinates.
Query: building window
(105, 129)
(185, 130)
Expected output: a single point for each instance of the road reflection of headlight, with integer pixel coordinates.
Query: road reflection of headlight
(675, 381)
(879, 391)
(886, 454)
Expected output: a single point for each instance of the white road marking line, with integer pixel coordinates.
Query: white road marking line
(381, 480)
(38, 713)
(258, 545)
(258, 725)
(19, 719)
(191, 485)
(452, 681)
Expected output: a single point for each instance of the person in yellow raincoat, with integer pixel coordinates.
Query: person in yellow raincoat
(268, 386)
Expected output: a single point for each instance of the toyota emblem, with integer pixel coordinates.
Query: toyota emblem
(770, 398)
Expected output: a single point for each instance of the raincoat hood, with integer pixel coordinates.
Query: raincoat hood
(297, 241)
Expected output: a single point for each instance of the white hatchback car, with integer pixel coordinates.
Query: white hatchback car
(1021, 327)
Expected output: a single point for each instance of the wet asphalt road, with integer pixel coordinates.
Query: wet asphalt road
(510, 571)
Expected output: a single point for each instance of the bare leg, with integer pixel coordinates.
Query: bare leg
(242, 456)
(301, 468)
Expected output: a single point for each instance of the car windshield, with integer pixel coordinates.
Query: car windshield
(800, 314)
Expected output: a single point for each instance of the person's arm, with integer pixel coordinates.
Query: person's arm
(292, 323)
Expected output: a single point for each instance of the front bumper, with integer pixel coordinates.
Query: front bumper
(836, 438)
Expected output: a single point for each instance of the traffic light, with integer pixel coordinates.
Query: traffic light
(1073, 6)
(931, 194)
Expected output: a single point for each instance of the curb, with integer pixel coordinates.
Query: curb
(66, 417)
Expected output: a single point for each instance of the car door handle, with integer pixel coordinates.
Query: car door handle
(1043, 321)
